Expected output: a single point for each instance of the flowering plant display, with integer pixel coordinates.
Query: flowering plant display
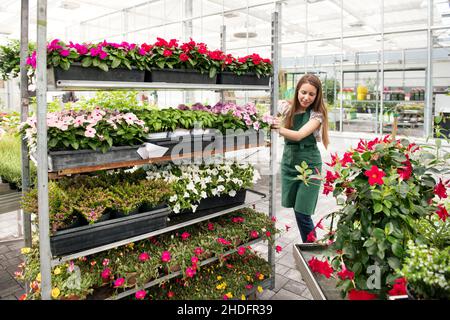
(10, 59)
(192, 183)
(384, 186)
(98, 130)
(248, 115)
(134, 264)
(162, 54)
(250, 63)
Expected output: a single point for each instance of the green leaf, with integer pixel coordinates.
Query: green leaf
(388, 228)
(103, 66)
(95, 62)
(75, 145)
(127, 64)
(378, 207)
(378, 234)
(369, 242)
(394, 263)
(357, 267)
(397, 249)
(212, 72)
(387, 204)
(56, 60)
(86, 62)
(115, 62)
(160, 64)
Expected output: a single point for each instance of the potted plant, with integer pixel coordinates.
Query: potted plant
(384, 186)
(248, 70)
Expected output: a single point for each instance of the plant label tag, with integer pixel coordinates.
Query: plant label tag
(151, 150)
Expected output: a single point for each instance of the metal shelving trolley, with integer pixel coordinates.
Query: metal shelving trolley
(49, 260)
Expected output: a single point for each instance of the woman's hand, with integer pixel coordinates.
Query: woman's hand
(276, 124)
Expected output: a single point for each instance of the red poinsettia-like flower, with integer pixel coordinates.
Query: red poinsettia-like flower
(405, 172)
(440, 190)
(354, 294)
(399, 287)
(322, 267)
(347, 159)
(375, 175)
(442, 212)
(327, 188)
(334, 160)
(346, 274)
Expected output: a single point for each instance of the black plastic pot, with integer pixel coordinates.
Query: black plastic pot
(59, 160)
(78, 72)
(102, 233)
(219, 202)
(249, 78)
(178, 76)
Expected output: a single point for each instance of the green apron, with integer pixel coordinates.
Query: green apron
(294, 193)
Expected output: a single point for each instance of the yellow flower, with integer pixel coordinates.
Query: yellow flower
(219, 278)
(57, 271)
(38, 277)
(243, 297)
(131, 245)
(229, 295)
(261, 277)
(55, 293)
(221, 286)
(260, 289)
(25, 250)
(249, 278)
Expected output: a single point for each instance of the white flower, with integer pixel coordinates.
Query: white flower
(221, 179)
(232, 193)
(186, 195)
(214, 191)
(208, 179)
(190, 186)
(194, 207)
(220, 188)
(176, 209)
(173, 198)
(214, 172)
(203, 185)
(203, 195)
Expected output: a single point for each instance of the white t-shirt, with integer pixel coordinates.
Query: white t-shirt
(283, 107)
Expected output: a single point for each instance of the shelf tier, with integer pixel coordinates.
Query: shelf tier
(252, 197)
(78, 85)
(178, 273)
(115, 165)
(387, 101)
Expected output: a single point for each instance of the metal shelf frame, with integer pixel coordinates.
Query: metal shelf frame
(42, 86)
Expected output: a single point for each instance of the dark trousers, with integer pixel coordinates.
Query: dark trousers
(305, 225)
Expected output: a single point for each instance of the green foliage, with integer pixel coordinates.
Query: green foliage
(328, 92)
(427, 270)
(10, 59)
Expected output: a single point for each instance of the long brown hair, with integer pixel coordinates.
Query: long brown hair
(318, 106)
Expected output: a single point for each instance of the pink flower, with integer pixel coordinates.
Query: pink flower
(274, 219)
(249, 286)
(170, 294)
(190, 272)
(144, 256)
(256, 125)
(237, 220)
(31, 61)
(119, 282)
(64, 53)
(90, 132)
(198, 251)
(185, 235)
(140, 294)
(194, 260)
(210, 226)
(241, 251)
(165, 257)
(225, 297)
(223, 241)
(267, 118)
(105, 262)
(254, 234)
(268, 234)
(278, 249)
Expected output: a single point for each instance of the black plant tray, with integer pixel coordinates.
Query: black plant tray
(78, 72)
(180, 145)
(87, 237)
(59, 160)
(178, 76)
(249, 78)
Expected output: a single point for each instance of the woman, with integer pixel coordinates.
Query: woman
(305, 123)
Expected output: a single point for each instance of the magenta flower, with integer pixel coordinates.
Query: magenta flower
(185, 235)
(119, 282)
(31, 61)
(190, 272)
(194, 260)
(210, 226)
(106, 274)
(140, 294)
(165, 257)
(249, 286)
(254, 234)
(198, 251)
(223, 241)
(52, 46)
(241, 251)
(144, 256)
(64, 53)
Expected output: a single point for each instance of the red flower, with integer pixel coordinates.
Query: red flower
(412, 147)
(278, 249)
(331, 177)
(23, 297)
(241, 251)
(210, 226)
(372, 143)
(311, 237)
(405, 172)
(254, 234)
(322, 267)
(184, 57)
(165, 256)
(119, 282)
(442, 212)
(194, 260)
(334, 160)
(375, 175)
(399, 287)
(349, 191)
(268, 234)
(354, 294)
(170, 294)
(319, 224)
(346, 274)
(167, 53)
(327, 188)
(440, 190)
(185, 235)
(146, 47)
(237, 220)
(198, 251)
(274, 219)
(190, 272)
(347, 159)
(144, 256)
(140, 294)
(223, 241)
(202, 48)
(106, 274)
